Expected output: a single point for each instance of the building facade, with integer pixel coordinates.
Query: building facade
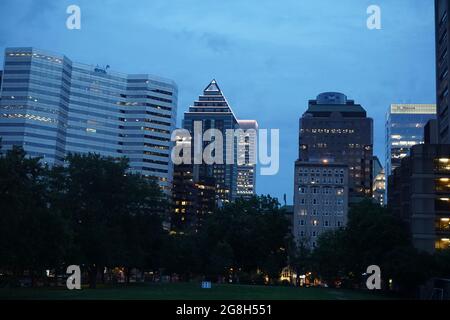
(442, 48)
(379, 182)
(419, 193)
(193, 198)
(52, 106)
(246, 169)
(320, 199)
(336, 129)
(405, 128)
(212, 111)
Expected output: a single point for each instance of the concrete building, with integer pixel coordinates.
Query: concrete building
(405, 128)
(419, 193)
(246, 169)
(52, 106)
(334, 127)
(442, 49)
(320, 199)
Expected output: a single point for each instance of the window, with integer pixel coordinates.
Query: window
(302, 222)
(302, 190)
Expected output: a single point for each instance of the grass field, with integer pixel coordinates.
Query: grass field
(189, 291)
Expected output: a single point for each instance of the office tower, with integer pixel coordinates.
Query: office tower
(52, 106)
(193, 194)
(430, 134)
(320, 199)
(337, 129)
(246, 169)
(193, 198)
(212, 111)
(379, 182)
(405, 128)
(442, 48)
(419, 193)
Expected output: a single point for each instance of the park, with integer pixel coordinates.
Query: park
(191, 291)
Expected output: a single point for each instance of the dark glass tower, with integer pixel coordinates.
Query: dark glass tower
(442, 26)
(336, 129)
(213, 112)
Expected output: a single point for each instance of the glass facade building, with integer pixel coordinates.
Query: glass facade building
(405, 128)
(212, 111)
(52, 106)
(246, 170)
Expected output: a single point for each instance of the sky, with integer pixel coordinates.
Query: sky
(268, 57)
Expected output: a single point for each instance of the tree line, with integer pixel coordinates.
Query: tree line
(94, 212)
(372, 236)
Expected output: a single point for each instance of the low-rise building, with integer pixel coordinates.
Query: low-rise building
(320, 199)
(419, 193)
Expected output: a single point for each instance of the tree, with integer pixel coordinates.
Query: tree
(32, 236)
(115, 214)
(407, 267)
(329, 256)
(255, 230)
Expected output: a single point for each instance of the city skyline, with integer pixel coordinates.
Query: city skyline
(264, 82)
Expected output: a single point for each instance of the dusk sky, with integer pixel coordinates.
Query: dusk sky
(268, 57)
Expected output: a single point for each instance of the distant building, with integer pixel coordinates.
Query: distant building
(320, 199)
(431, 134)
(212, 111)
(379, 182)
(334, 127)
(193, 198)
(442, 49)
(246, 172)
(419, 193)
(405, 128)
(52, 106)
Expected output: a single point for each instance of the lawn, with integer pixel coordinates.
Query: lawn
(189, 291)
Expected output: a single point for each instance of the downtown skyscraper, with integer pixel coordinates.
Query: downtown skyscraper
(52, 106)
(246, 170)
(405, 128)
(336, 129)
(442, 48)
(212, 111)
